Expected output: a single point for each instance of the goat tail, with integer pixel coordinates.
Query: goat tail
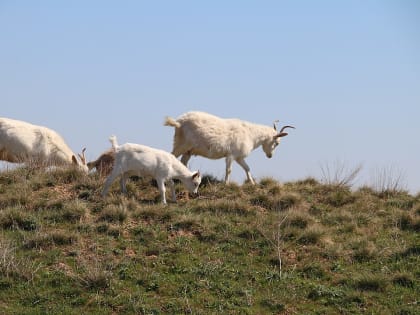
(113, 140)
(169, 121)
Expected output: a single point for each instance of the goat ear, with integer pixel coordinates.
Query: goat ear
(196, 174)
(281, 134)
(74, 160)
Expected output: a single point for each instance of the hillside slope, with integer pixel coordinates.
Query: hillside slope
(297, 248)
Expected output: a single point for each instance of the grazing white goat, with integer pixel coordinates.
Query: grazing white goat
(198, 133)
(22, 142)
(139, 159)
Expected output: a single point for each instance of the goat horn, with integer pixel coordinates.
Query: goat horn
(82, 156)
(274, 124)
(281, 130)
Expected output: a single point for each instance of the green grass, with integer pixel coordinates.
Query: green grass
(297, 248)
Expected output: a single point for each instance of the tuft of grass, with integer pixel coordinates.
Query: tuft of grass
(401, 201)
(94, 274)
(412, 251)
(307, 182)
(276, 203)
(371, 282)
(268, 182)
(45, 240)
(113, 213)
(339, 218)
(312, 235)
(208, 180)
(417, 207)
(249, 234)
(131, 205)
(273, 306)
(262, 200)
(66, 175)
(72, 211)
(186, 225)
(102, 228)
(404, 279)
(339, 174)
(323, 292)
(272, 186)
(388, 181)
(13, 196)
(17, 218)
(364, 251)
(153, 213)
(63, 238)
(52, 204)
(314, 271)
(339, 197)
(408, 222)
(298, 220)
(14, 267)
(216, 190)
(144, 234)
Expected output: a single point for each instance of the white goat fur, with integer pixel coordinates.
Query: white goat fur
(198, 133)
(22, 142)
(139, 159)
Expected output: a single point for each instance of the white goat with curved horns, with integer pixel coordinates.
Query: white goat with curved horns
(198, 133)
(22, 142)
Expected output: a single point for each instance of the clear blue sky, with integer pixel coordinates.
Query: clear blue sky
(345, 73)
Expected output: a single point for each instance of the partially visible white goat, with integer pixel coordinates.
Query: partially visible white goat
(198, 133)
(22, 142)
(139, 159)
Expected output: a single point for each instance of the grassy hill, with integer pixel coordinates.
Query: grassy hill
(296, 248)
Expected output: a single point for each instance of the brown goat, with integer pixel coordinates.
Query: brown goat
(103, 163)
